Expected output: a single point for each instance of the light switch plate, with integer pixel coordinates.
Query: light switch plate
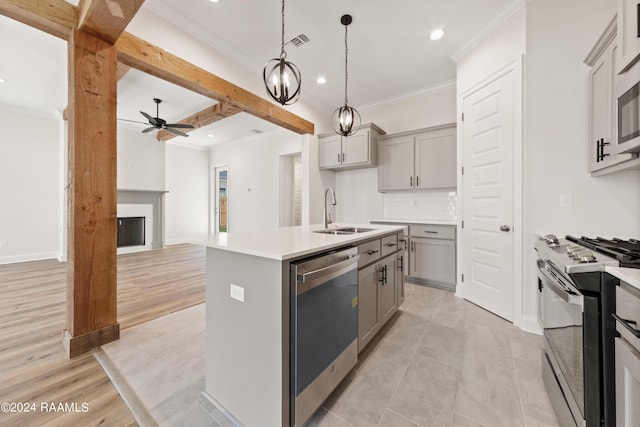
(566, 200)
(237, 292)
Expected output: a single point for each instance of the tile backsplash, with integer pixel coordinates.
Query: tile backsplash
(438, 204)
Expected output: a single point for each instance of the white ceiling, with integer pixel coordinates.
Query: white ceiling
(390, 54)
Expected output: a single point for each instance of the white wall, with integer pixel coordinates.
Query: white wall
(559, 37)
(141, 164)
(253, 184)
(29, 185)
(357, 190)
(187, 200)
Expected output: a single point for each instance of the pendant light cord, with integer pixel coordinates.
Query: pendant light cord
(283, 54)
(346, 74)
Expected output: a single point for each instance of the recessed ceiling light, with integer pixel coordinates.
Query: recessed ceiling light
(210, 135)
(321, 80)
(214, 1)
(437, 34)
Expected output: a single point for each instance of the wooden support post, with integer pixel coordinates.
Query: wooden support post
(91, 257)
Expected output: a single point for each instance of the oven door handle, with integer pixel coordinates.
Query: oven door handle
(568, 297)
(627, 324)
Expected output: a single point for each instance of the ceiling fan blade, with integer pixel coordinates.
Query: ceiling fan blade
(152, 120)
(149, 129)
(176, 132)
(133, 121)
(179, 125)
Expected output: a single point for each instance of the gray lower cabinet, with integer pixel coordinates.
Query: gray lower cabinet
(433, 255)
(378, 288)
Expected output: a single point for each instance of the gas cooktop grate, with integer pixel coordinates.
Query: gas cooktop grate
(627, 252)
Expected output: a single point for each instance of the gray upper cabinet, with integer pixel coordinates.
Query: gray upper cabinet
(419, 159)
(351, 152)
(628, 30)
(602, 104)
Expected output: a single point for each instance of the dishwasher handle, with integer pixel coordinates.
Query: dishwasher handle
(311, 279)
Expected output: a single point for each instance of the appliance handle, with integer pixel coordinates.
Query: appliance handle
(627, 324)
(569, 297)
(317, 277)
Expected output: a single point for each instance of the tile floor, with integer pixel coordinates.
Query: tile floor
(442, 362)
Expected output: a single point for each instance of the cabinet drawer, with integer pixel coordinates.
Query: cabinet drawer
(389, 245)
(369, 252)
(433, 231)
(628, 309)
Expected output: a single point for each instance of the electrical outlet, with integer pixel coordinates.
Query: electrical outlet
(4, 243)
(566, 200)
(237, 292)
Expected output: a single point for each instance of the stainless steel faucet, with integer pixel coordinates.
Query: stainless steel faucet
(325, 221)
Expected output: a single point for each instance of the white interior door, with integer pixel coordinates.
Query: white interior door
(488, 137)
(221, 199)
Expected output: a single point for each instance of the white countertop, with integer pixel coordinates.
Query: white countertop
(293, 242)
(418, 221)
(629, 275)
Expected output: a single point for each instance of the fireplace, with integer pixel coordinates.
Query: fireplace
(145, 204)
(131, 231)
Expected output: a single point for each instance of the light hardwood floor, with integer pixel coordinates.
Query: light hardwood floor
(33, 366)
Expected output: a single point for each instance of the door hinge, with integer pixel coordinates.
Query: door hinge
(463, 117)
(462, 224)
(463, 278)
(462, 170)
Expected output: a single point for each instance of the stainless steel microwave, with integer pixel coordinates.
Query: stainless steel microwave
(628, 111)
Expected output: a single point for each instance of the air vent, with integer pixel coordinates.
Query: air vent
(299, 40)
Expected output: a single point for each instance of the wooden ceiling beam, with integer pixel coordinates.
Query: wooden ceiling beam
(56, 17)
(153, 60)
(106, 19)
(203, 118)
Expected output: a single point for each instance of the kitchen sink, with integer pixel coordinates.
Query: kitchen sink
(343, 230)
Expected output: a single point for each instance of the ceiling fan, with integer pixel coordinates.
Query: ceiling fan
(161, 124)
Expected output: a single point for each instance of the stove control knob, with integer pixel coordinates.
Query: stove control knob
(585, 256)
(551, 240)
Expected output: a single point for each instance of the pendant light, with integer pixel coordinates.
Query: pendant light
(345, 120)
(281, 77)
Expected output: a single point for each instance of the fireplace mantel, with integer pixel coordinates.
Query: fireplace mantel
(127, 196)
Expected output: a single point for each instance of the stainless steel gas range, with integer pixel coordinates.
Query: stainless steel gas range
(577, 298)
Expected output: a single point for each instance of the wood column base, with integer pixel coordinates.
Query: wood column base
(75, 346)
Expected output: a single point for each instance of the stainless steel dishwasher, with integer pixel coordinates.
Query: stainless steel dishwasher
(324, 328)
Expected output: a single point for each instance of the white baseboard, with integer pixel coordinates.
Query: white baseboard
(531, 324)
(13, 259)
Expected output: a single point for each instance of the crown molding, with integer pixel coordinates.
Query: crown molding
(501, 16)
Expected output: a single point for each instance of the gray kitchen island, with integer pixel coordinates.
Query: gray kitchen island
(248, 314)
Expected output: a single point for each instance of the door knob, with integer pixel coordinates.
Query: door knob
(505, 228)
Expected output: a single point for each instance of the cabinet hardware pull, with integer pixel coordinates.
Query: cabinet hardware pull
(371, 252)
(385, 274)
(627, 324)
(401, 263)
(431, 232)
(417, 181)
(390, 244)
(381, 278)
(413, 245)
(342, 157)
(410, 181)
(338, 157)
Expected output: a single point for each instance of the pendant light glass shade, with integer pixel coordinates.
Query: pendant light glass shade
(282, 78)
(345, 120)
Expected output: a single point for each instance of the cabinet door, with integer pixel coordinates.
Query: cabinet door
(628, 34)
(435, 159)
(355, 148)
(368, 313)
(401, 266)
(330, 151)
(627, 384)
(395, 164)
(434, 260)
(387, 288)
(600, 106)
